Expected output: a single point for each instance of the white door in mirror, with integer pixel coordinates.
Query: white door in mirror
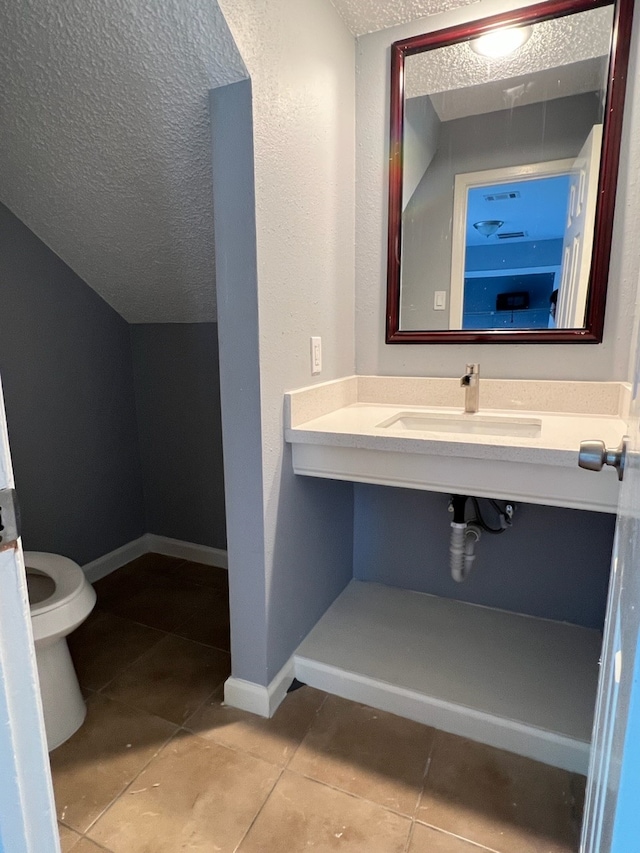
(578, 237)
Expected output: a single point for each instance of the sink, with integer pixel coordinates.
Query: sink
(465, 424)
(411, 432)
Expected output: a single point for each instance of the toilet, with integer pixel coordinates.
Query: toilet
(60, 599)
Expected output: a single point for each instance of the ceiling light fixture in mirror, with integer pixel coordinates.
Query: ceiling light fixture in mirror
(505, 135)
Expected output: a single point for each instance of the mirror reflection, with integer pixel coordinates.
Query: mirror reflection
(501, 157)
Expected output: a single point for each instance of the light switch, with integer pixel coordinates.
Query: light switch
(316, 356)
(440, 300)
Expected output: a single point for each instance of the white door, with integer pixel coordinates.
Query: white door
(612, 813)
(578, 237)
(27, 812)
(494, 180)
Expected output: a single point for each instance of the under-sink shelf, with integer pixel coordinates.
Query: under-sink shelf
(515, 682)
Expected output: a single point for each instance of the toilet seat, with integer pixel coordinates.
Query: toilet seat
(52, 619)
(67, 576)
(70, 603)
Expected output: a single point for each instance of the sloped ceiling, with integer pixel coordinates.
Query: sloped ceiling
(104, 143)
(104, 137)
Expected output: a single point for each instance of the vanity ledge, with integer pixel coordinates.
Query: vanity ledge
(530, 395)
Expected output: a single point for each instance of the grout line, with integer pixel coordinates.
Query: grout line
(259, 812)
(139, 710)
(130, 664)
(104, 609)
(229, 746)
(350, 794)
(182, 728)
(308, 729)
(86, 837)
(183, 725)
(416, 819)
(129, 784)
(409, 836)
(241, 749)
(149, 650)
(480, 847)
(131, 621)
(178, 727)
(426, 773)
(199, 643)
(164, 630)
(423, 783)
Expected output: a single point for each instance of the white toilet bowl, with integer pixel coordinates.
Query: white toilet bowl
(61, 598)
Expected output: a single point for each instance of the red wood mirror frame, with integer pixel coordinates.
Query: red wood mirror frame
(616, 83)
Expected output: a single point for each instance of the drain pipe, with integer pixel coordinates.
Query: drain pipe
(463, 540)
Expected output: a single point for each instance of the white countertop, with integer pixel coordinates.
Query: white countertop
(357, 426)
(335, 429)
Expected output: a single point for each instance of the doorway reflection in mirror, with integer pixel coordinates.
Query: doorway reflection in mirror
(515, 139)
(510, 273)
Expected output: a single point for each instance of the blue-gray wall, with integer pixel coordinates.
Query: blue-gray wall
(177, 395)
(65, 362)
(101, 458)
(275, 598)
(237, 292)
(552, 562)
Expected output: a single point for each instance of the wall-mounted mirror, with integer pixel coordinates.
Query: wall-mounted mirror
(505, 135)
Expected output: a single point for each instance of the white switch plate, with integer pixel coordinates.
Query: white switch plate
(316, 356)
(440, 300)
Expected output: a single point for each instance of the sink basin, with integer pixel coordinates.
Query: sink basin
(465, 424)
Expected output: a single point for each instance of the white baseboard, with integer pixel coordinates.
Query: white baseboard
(186, 550)
(548, 747)
(256, 698)
(150, 543)
(108, 563)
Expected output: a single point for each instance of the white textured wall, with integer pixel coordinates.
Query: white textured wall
(608, 360)
(301, 60)
(104, 143)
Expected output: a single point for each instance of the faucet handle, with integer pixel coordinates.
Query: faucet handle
(471, 374)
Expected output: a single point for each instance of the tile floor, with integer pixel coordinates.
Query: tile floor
(161, 765)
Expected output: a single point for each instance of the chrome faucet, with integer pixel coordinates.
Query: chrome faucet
(471, 384)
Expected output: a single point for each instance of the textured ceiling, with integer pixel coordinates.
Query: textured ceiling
(574, 79)
(104, 139)
(104, 143)
(553, 44)
(367, 16)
